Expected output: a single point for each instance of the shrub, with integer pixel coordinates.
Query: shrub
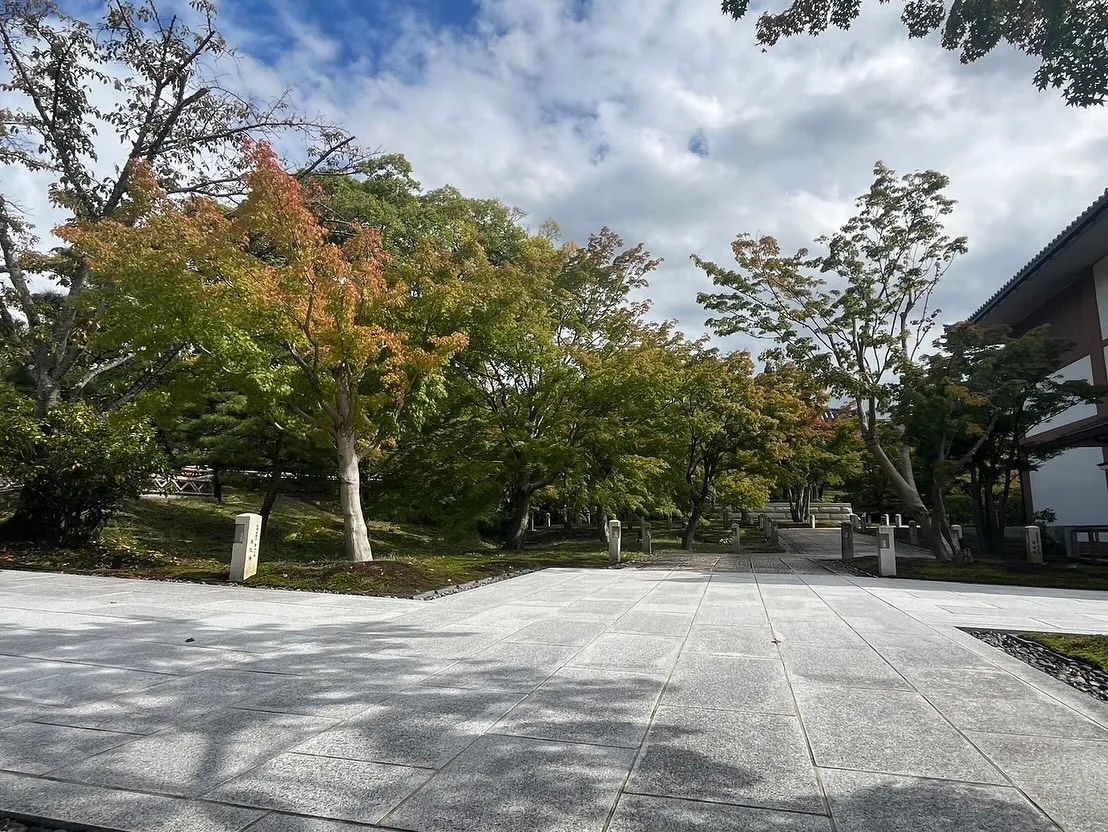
(75, 468)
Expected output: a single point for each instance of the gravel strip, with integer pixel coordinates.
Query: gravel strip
(1073, 672)
(9, 825)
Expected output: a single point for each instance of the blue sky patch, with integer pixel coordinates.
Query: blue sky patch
(698, 144)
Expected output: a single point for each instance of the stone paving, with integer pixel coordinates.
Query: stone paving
(629, 700)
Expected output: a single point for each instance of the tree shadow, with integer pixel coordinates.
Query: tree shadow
(363, 711)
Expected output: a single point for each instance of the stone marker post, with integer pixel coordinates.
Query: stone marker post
(956, 530)
(1033, 541)
(244, 552)
(886, 552)
(899, 522)
(736, 538)
(885, 520)
(646, 543)
(811, 521)
(913, 532)
(772, 532)
(614, 534)
(548, 519)
(847, 536)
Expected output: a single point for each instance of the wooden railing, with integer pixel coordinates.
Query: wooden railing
(190, 482)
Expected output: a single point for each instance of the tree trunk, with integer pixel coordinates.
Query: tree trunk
(792, 493)
(905, 487)
(47, 393)
(689, 534)
(267, 505)
(805, 502)
(519, 512)
(602, 521)
(355, 531)
(217, 484)
(941, 536)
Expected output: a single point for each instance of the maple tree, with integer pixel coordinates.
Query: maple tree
(270, 270)
(146, 83)
(857, 315)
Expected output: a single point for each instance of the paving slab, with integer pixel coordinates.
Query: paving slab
(867, 802)
(891, 731)
(116, 809)
(37, 748)
(740, 683)
(646, 813)
(423, 728)
(728, 757)
(322, 786)
(586, 705)
(512, 784)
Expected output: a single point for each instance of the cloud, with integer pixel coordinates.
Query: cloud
(663, 120)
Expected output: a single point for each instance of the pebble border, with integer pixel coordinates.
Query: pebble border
(1073, 672)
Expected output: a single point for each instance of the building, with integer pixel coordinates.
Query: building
(1066, 286)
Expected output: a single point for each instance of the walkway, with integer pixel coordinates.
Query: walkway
(628, 700)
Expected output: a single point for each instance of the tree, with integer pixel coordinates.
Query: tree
(967, 408)
(325, 309)
(546, 376)
(171, 117)
(888, 259)
(722, 436)
(822, 447)
(1070, 39)
(75, 468)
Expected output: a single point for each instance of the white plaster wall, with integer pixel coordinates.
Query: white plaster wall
(1100, 281)
(1079, 370)
(1073, 486)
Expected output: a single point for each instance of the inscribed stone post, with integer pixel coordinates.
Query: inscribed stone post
(244, 552)
(847, 536)
(647, 543)
(886, 552)
(614, 534)
(1033, 541)
(736, 539)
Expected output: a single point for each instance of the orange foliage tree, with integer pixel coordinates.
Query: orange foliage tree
(270, 272)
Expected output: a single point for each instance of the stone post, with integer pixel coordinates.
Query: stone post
(736, 539)
(531, 521)
(886, 552)
(856, 522)
(885, 520)
(244, 552)
(956, 530)
(646, 543)
(899, 522)
(1033, 541)
(614, 534)
(847, 536)
(772, 532)
(548, 519)
(811, 521)
(913, 532)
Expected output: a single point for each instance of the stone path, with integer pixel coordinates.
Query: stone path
(628, 700)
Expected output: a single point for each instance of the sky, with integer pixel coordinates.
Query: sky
(663, 120)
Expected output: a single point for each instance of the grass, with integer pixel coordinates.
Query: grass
(1091, 649)
(190, 540)
(1012, 573)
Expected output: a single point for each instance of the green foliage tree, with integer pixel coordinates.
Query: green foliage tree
(74, 468)
(172, 117)
(967, 408)
(722, 435)
(1069, 39)
(862, 327)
